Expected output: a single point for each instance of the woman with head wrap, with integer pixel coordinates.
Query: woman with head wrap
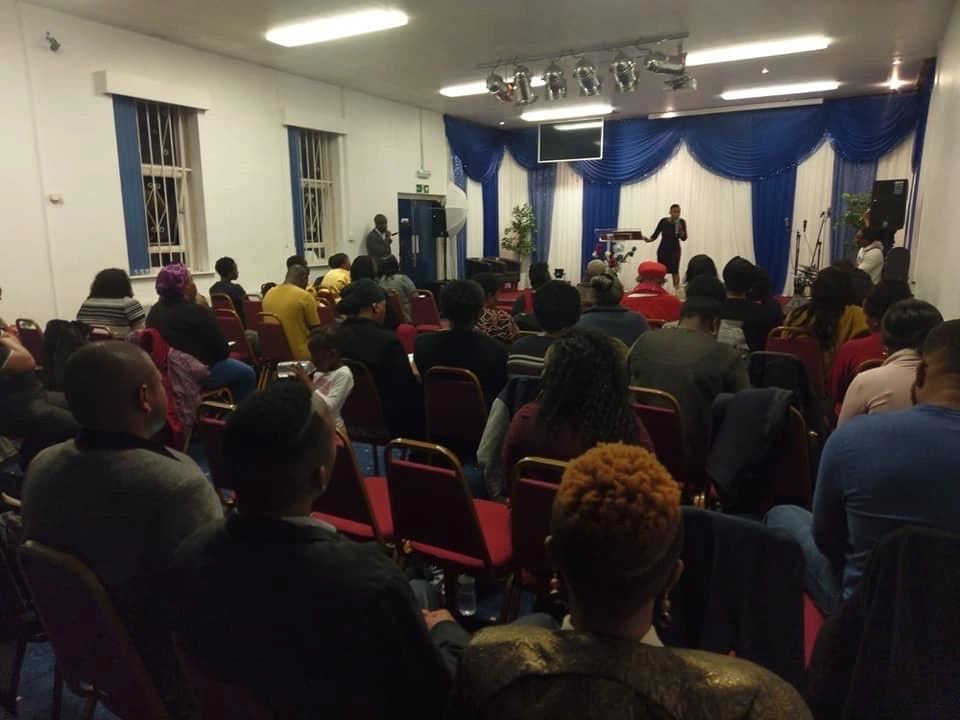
(616, 538)
(193, 329)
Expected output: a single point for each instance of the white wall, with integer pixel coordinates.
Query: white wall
(936, 248)
(63, 141)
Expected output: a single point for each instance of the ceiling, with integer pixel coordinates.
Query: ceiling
(446, 39)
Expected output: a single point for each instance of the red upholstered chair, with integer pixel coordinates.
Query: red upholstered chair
(436, 516)
(327, 310)
(328, 295)
(423, 309)
(356, 506)
(274, 346)
(94, 650)
(252, 306)
(659, 412)
(31, 337)
(799, 342)
(407, 334)
(220, 700)
(363, 412)
(396, 307)
(455, 410)
(232, 328)
(211, 421)
(221, 301)
(791, 482)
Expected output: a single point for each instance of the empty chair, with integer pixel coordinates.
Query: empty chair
(423, 310)
(232, 328)
(356, 506)
(362, 413)
(274, 346)
(94, 651)
(31, 337)
(456, 413)
(659, 412)
(799, 342)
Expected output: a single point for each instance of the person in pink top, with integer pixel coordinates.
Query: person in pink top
(890, 387)
(650, 298)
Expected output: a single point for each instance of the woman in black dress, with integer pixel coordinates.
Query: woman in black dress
(673, 229)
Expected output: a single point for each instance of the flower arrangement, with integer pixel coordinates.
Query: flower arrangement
(518, 237)
(615, 256)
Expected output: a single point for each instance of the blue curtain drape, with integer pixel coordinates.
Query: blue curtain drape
(460, 180)
(490, 190)
(541, 183)
(762, 146)
(601, 208)
(848, 177)
(296, 194)
(131, 184)
(772, 200)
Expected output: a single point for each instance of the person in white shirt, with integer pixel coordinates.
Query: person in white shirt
(870, 255)
(332, 381)
(904, 328)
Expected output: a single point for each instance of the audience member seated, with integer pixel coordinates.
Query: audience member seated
(700, 265)
(584, 399)
(296, 308)
(607, 315)
(616, 539)
(266, 287)
(338, 277)
(332, 381)
(757, 320)
(495, 322)
(731, 331)
(365, 340)
(594, 267)
(650, 298)
(461, 302)
(830, 315)
(890, 387)
(193, 329)
(38, 416)
(226, 268)
(881, 472)
(277, 602)
(363, 267)
(691, 365)
(524, 307)
(301, 261)
(392, 279)
(557, 307)
(870, 252)
(111, 304)
(854, 353)
(117, 501)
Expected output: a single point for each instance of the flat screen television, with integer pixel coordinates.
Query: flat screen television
(571, 140)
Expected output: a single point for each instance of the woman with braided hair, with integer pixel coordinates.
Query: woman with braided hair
(616, 535)
(584, 399)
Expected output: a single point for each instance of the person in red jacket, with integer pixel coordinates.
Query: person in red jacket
(650, 298)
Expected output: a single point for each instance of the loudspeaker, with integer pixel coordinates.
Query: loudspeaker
(439, 216)
(888, 205)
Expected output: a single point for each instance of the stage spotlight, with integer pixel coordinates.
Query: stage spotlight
(660, 63)
(499, 87)
(521, 81)
(586, 74)
(555, 83)
(624, 71)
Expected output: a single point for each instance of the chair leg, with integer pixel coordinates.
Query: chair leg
(511, 598)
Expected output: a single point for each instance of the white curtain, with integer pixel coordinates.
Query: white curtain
(896, 165)
(474, 219)
(811, 198)
(513, 190)
(566, 223)
(718, 212)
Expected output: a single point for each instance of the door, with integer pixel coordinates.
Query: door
(418, 244)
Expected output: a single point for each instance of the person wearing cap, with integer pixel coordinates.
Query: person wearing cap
(689, 363)
(364, 303)
(650, 298)
(192, 328)
(756, 320)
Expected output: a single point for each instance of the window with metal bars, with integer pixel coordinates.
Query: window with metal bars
(317, 192)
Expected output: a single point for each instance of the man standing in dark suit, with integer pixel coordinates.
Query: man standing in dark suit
(275, 601)
(378, 239)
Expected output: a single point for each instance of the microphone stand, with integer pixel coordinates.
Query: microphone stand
(818, 248)
(797, 288)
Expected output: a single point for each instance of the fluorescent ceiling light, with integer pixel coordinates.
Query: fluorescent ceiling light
(576, 111)
(749, 51)
(590, 125)
(335, 27)
(735, 108)
(664, 116)
(480, 87)
(775, 90)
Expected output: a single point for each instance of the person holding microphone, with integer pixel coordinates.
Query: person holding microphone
(673, 229)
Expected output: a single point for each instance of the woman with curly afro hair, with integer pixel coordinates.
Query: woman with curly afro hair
(584, 399)
(616, 538)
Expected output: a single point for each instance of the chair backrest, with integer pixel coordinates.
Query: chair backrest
(791, 479)
(328, 295)
(232, 328)
(362, 413)
(326, 310)
(221, 301)
(423, 308)
(430, 503)
(274, 346)
(787, 371)
(868, 365)
(252, 305)
(655, 398)
(100, 332)
(346, 496)
(455, 410)
(396, 307)
(211, 422)
(799, 342)
(535, 483)
(92, 646)
(31, 337)
(666, 432)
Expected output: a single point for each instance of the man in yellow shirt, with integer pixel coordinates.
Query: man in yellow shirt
(339, 276)
(296, 309)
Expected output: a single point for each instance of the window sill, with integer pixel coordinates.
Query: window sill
(193, 273)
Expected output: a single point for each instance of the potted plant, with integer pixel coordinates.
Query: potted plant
(518, 238)
(854, 207)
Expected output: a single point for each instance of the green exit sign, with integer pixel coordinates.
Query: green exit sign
(423, 188)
